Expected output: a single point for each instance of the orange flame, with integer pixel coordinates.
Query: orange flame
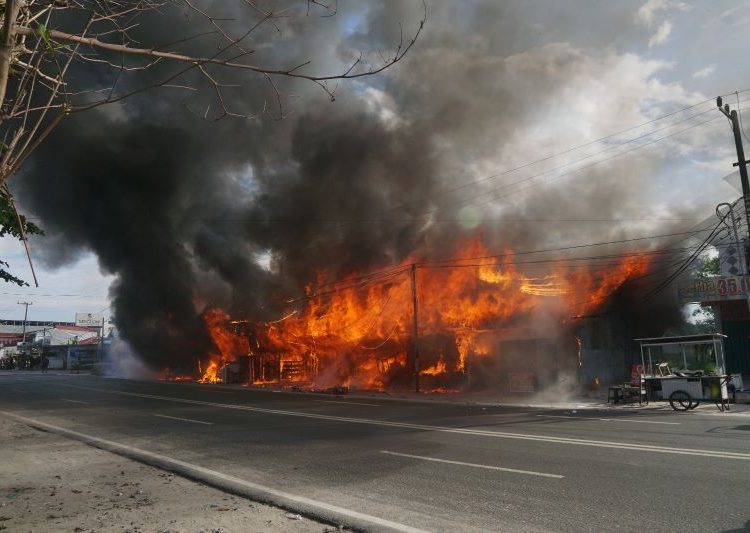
(228, 344)
(360, 335)
(438, 368)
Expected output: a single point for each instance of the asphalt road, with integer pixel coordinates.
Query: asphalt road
(425, 466)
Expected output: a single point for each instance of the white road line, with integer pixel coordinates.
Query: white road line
(74, 401)
(473, 465)
(612, 419)
(185, 419)
(345, 402)
(203, 472)
(442, 429)
(19, 391)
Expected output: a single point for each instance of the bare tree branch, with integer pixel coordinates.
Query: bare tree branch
(152, 52)
(42, 40)
(22, 230)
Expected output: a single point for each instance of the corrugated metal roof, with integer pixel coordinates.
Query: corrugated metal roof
(18, 330)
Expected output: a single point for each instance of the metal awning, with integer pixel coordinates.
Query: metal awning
(712, 339)
(706, 338)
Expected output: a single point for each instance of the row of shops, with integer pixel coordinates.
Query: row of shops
(53, 345)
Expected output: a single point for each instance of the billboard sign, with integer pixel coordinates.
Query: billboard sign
(716, 289)
(89, 320)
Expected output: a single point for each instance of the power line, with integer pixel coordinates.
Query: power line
(573, 247)
(668, 281)
(359, 285)
(657, 272)
(557, 154)
(584, 167)
(364, 277)
(290, 220)
(389, 275)
(596, 260)
(572, 149)
(609, 148)
(589, 143)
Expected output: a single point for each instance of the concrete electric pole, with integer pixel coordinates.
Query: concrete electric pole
(25, 316)
(741, 162)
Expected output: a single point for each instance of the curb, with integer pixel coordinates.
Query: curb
(319, 511)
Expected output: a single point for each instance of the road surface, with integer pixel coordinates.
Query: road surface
(409, 466)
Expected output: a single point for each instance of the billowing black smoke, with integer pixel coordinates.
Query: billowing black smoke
(181, 210)
(170, 212)
(128, 195)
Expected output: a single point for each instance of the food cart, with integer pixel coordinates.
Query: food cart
(685, 370)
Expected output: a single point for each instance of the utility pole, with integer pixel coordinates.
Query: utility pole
(741, 162)
(743, 267)
(415, 331)
(100, 347)
(25, 316)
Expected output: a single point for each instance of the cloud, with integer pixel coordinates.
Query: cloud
(79, 287)
(646, 14)
(704, 72)
(661, 34)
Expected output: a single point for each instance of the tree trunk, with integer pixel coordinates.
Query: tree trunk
(7, 42)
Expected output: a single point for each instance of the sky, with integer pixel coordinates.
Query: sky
(489, 86)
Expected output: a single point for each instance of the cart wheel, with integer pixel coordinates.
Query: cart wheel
(680, 400)
(694, 404)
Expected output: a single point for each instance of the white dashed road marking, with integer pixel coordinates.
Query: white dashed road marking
(345, 402)
(612, 419)
(185, 419)
(473, 465)
(74, 401)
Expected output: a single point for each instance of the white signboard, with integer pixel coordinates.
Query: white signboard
(88, 320)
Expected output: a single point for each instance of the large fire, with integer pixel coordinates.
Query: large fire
(359, 332)
(228, 344)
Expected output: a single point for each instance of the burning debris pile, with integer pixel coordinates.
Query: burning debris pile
(359, 331)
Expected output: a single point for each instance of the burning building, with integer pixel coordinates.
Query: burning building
(470, 320)
(304, 231)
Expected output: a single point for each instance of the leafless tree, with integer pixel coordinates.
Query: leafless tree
(43, 42)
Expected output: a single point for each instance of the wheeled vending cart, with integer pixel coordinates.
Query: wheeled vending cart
(685, 388)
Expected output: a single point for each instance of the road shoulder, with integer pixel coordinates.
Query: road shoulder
(51, 483)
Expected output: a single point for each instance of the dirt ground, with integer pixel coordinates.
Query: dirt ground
(50, 483)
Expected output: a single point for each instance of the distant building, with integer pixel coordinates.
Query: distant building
(11, 331)
(63, 343)
(66, 334)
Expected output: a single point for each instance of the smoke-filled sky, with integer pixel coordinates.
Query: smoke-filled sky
(152, 212)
